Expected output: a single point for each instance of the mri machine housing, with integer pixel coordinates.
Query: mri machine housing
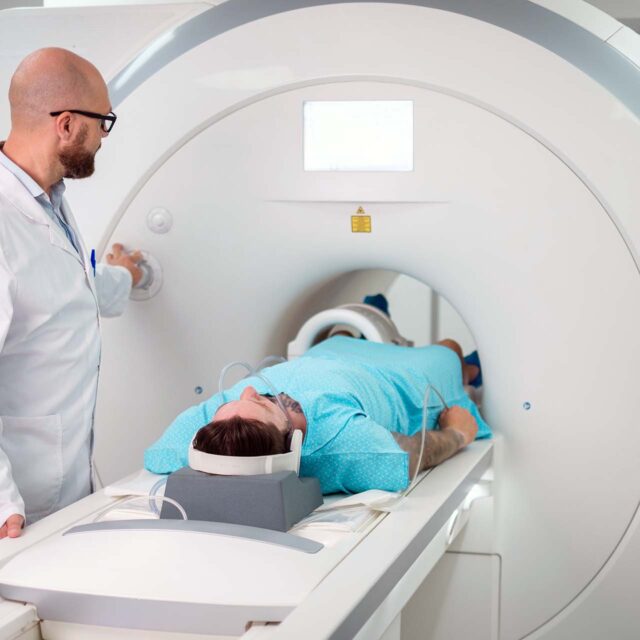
(520, 209)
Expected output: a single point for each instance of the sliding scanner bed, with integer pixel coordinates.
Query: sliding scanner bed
(274, 501)
(178, 577)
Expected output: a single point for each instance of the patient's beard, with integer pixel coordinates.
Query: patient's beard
(76, 160)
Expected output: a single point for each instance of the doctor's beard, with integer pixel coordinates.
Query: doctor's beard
(76, 160)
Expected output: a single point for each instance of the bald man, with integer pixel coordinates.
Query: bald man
(51, 292)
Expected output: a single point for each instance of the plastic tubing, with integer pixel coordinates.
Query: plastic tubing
(425, 416)
(396, 499)
(152, 494)
(256, 373)
(117, 505)
(263, 363)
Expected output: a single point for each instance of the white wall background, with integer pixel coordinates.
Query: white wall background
(10, 4)
(627, 11)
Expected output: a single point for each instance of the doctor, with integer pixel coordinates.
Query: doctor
(50, 293)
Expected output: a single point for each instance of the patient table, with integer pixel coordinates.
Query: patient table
(112, 577)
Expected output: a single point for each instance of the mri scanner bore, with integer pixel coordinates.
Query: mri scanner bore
(359, 405)
(525, 135)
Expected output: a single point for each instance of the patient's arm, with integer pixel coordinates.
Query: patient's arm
(457, 429)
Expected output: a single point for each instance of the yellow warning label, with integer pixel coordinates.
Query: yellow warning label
(361, 224)
(360, 211)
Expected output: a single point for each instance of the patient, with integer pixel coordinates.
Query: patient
(359, 405)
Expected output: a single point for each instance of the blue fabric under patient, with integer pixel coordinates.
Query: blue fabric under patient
(353, 393)
(474, 359)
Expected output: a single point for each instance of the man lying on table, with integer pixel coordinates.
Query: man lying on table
(359, 405)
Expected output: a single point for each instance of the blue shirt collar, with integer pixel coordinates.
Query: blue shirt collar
(57, 191)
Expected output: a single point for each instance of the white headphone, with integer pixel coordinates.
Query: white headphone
(248, 465)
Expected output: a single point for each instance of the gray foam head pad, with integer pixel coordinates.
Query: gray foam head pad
(271, 501)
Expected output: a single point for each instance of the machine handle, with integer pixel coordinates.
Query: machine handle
(267, 536)
(151, 281)
(482, 489)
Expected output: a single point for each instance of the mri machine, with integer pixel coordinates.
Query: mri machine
(516, 199)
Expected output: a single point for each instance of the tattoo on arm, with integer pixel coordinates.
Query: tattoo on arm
(438, 446)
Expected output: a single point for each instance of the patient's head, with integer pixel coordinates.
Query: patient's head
(253, 425)
(237, 436)
(254, 406)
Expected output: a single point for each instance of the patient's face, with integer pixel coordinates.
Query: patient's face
(253, 406)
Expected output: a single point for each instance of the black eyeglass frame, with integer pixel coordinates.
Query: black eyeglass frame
(107, 121)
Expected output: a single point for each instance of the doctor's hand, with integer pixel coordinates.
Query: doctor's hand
(120, 257)
(12, 528)
(460, 420)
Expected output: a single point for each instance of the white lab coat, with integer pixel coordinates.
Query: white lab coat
(49, 355)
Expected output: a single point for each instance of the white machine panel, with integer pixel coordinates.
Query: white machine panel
(214, 579)
(248, 205)
(171, 580)
(459, 600)
(521, 209)
(531, 323)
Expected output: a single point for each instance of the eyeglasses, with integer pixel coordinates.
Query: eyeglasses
(107, 121)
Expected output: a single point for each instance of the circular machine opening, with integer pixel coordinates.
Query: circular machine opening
(425, 316)
(421, 315)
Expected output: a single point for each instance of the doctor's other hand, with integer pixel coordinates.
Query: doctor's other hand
(12, 528)
(460, 420)
(120, 257)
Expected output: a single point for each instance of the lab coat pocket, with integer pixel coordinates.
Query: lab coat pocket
(34, 448)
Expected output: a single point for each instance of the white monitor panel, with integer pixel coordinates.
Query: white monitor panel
(358, 135)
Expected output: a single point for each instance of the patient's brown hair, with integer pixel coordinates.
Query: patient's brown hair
(240, 437)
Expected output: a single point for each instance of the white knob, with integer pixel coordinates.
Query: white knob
(151, 281)
(159, 220)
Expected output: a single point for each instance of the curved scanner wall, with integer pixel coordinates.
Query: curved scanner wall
(519, 209)
(490, 217)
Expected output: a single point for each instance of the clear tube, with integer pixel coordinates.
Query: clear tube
(394, 500)
(276, 397)
(227, 368)
(256, 373)
(152, 494)
(425, 417)
(117, 505)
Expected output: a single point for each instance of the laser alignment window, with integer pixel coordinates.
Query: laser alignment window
(358, 135)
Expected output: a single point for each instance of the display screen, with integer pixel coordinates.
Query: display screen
(358, 135)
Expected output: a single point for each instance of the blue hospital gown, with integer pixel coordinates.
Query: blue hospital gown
(353, 393)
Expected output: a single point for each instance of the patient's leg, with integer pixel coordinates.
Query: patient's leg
(469, 371)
